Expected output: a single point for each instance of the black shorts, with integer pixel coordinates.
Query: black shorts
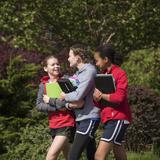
(87, 127)
(114, 131)
(69, 132)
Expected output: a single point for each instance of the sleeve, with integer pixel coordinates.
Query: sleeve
(57, 102)
(86, 83)
(97, 104)
(121, 89)
(40, 105)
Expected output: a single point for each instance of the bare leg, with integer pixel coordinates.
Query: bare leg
(103, 150)
(119, 152)
(56, 147)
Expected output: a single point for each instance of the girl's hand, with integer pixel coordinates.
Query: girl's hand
(62, 95)
(45, 99)
(97, 95)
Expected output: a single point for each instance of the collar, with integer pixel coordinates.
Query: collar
(45, 79)
(111, 69)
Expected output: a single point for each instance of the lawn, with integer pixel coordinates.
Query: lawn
(138, 156)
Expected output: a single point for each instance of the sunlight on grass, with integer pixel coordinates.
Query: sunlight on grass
(143, 156)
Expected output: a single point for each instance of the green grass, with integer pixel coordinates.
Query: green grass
(138, 156)
(142, 156)
(133, 156)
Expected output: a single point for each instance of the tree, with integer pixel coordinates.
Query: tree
(143, 68)
(46, 25)
(17, 93)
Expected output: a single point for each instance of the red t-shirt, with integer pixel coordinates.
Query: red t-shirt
(122, 111)
(59, 119)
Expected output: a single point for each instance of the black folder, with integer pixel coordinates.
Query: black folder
(66, 85)
(106, 84)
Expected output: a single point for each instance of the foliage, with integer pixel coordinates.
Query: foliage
(46, 24)
(10, 131)
(17, 93)
(19, 81)
(144, 130)
(143, 68)
(33, 145)
(7, 53)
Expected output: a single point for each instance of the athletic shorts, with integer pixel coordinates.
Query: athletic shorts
(69, 132)
(114, 131)
(87, 127)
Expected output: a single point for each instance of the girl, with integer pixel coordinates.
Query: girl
(87, 117)
(115, 119)
(61, 122)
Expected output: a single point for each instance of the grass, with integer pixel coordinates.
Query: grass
(138, 156)
(133, 156)
(142, 156)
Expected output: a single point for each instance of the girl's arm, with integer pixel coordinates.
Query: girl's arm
(62, 104)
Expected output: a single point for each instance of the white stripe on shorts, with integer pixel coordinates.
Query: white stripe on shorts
(86, 130)
(115, 130)
(118, 133)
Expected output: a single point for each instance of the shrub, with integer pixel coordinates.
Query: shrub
(17, 93)
(143, 68)
(144, 130)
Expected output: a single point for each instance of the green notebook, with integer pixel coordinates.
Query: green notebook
(53, 90)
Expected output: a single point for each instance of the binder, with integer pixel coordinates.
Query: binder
(53, 90)
(66, 85)
(106, 84)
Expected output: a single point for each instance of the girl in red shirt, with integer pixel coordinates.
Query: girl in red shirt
(61, 120)
(116, 119)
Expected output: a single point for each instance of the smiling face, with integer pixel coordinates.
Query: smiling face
(102, 63)
(52, 67)
(73, 59)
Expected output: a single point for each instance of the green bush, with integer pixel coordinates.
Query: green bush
(17, 93)
(143, 68)
(34, 141)
(144, 131)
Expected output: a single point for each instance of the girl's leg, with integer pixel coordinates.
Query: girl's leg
(79, 144)
(111, 129)
(119, 152)
(112, 138)
(56, 146)
(103, 150)
(91, 149)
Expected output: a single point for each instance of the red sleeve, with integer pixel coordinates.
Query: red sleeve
(121, 89)
(97, 104)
